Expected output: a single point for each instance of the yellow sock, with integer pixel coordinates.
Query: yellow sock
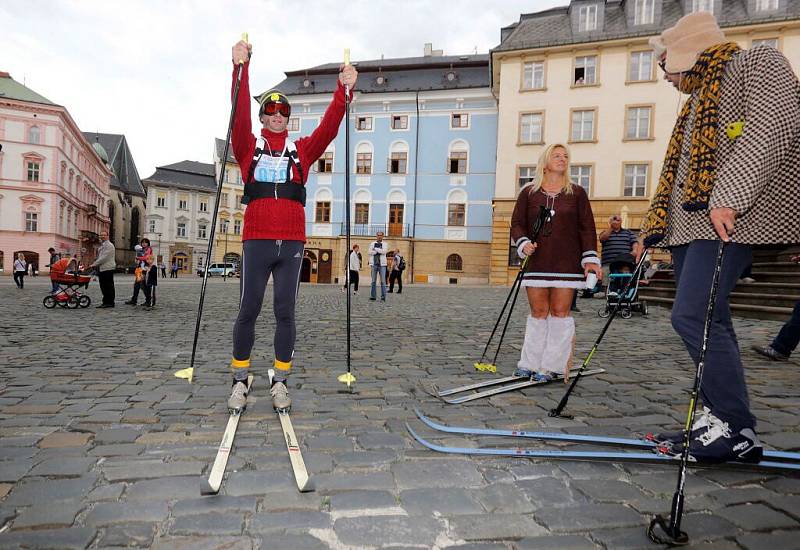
(284, 366)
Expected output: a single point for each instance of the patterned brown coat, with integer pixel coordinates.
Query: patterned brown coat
(758, 171)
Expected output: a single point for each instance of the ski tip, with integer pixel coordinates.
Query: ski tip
(307, 487)
(206, 489)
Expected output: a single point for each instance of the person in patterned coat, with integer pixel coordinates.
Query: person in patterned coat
(731, 173)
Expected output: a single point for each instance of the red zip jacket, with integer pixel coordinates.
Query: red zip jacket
(267, 217)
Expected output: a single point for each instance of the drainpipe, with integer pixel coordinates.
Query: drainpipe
(416, 173)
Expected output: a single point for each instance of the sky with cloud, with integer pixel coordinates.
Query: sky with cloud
(159, 72)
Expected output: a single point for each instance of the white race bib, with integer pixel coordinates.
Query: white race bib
(271, 169)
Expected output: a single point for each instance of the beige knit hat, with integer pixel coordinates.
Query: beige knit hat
(684, 42)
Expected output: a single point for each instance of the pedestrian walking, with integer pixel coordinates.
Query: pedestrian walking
(138, 276)
(788, 337)
(53, 259)
(20, 269)
(149, 273)
(275, 170)
(105, 266)
(353, 267)
(396, 274)
(376, 258)
(163, 267)
(558, 264)
(173, 274)
(731, 173)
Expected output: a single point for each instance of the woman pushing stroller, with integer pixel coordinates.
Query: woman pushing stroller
(559, 263)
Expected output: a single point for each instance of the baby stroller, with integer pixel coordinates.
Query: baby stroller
(65, 274)
(621, 272)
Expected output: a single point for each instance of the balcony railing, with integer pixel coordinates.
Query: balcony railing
(367, 230)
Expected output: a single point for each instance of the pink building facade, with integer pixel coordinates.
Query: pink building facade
(54, 186)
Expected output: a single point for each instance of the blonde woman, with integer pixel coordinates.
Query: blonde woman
(560, 261)
(20, 269)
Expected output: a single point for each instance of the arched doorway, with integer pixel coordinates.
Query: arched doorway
(111, 225)
(308, 271)
(134, 227)
(305, 271)
(1, 261)
(182, 260)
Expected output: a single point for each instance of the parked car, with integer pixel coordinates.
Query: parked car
(218, 270)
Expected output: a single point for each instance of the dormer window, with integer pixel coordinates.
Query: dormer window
(766, 5)
(702, 5)
(644, 12)
(587, 18)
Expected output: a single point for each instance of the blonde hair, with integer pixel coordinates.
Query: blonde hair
(544, 158)
(20, 256)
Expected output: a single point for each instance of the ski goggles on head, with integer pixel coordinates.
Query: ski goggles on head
(277, 108)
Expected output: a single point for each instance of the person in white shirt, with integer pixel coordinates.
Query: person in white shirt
(353, 266)
(377, 259)
(21, 268)
(396, 273)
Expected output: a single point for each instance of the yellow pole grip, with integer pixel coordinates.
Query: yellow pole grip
(244, 38)
(347, 56)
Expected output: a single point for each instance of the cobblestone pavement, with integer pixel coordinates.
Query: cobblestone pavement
(102, 447)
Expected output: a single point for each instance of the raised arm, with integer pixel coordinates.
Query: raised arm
(242, 138)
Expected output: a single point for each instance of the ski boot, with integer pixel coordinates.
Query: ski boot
(702, 420)
(280, 395)
(237, 402)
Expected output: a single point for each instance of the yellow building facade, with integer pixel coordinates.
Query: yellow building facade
(605, 98)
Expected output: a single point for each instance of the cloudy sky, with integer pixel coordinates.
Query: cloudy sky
(159, 72)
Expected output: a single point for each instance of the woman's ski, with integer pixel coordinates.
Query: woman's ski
(214, 482)
(573, 438)
(608, 456)
(518, 384)
(301, 476)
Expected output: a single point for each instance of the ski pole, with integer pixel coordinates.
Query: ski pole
(563, 403)
(347, 378)
(189, 372)
(542, 218)
(673, 535)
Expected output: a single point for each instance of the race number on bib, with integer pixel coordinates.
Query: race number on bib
(271, 169)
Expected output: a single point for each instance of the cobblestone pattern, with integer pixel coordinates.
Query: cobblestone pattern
(103, 447)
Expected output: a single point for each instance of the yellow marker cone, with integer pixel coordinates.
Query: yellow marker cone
(185, 373)
(347, 378)
(485, 367)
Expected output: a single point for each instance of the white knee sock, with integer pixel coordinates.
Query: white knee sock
(560, 332)
(533, 347)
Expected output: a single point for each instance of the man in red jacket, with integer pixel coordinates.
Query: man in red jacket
(274, 170)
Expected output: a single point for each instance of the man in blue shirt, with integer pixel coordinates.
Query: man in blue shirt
(616, 241)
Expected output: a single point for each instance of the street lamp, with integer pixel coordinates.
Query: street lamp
(224, 258)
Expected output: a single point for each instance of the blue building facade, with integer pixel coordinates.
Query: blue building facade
(423, 135)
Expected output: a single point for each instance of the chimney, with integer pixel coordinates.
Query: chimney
(429, 51)
(4, 74)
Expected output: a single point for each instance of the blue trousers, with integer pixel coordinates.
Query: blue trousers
(723, 388)
(787, 339)
(378, 271)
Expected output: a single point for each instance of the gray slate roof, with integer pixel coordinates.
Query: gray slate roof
(187, 174)
(553, 28)
(220, 147)
(404, 74)
(126, 176)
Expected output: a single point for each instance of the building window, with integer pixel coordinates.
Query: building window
(294, 124)
(454, 263)
(398, 163)
(237, 227)
(702, 5)
(363, 163)
(223, 200)
(641, 67)
(456, 214)
(161, 201)
(585, 70)
(644, 12)
(362, 213)
(183, 203)
(34, 135)
(587, 18)
(457, 162)
(638, 123)
(238, 201)
(582, 126)
(364, 123)
(325, 163)
(151, 226)
(181, 229)
(459, 120)
(323, 212)
(223, 226)
(204, 205)
(766, 5)
(31, 221)
(582, 175)
(202, 231)
(635, 180)
(771, 42)
(33, 170)
(525, 175)
(531, 128)
(533, 75)
(399, 122)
